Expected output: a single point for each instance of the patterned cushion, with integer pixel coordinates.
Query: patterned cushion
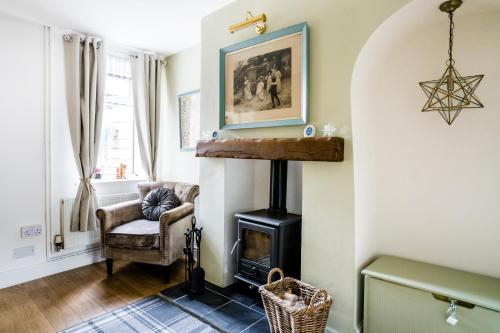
(184, 191)
(138, 234)
(158, 201)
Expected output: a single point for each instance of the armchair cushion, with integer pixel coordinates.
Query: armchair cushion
(159, 201)
(138, 234)
(184, 191)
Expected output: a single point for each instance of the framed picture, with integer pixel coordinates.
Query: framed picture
(263, 81)
(189, 119)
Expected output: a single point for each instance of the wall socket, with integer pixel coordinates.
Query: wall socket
(25, 251)
(29, 231)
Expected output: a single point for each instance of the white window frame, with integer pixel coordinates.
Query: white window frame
(133, 175)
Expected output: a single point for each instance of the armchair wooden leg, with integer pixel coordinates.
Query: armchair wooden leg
(166, 273)
(109, 266)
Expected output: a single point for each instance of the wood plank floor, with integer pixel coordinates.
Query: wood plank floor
(58, 301)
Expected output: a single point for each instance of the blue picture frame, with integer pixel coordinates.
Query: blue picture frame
(301, 28)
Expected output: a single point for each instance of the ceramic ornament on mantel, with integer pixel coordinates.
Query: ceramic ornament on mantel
(329, 130)
(309, 131)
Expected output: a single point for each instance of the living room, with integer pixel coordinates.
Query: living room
(203, 95)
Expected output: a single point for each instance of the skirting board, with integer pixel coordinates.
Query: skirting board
(24, 274)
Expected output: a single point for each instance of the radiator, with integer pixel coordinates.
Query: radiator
(75, 241)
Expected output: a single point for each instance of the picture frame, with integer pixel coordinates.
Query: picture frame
(264, 80)
(189, 119)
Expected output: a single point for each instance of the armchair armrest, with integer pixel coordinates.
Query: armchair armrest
(173, 225)
(176, 214)
(115, 215)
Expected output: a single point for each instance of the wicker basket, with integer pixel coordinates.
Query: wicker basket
(284, 318)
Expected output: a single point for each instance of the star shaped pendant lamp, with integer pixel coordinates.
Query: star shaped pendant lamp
(452, 92)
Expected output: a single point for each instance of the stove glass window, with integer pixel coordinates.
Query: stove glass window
(257, 247)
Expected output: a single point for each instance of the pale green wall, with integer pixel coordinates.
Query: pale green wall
(183, 75)
(398, 189)
(338, 30)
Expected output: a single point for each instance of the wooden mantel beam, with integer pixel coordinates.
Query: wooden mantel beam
(303, 149)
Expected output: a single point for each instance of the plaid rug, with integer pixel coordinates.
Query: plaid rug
(152, 314)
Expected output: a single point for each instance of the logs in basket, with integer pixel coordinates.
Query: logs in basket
(286, 318)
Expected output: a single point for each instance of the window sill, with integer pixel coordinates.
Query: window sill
(112, 181)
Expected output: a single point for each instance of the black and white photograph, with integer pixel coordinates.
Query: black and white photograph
(263, 82)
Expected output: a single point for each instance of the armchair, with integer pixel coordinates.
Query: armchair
(127, 235)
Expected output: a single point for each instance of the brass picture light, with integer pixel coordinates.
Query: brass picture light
(258, 21)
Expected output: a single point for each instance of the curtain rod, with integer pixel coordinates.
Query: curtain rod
(69, 38)
(132, 50)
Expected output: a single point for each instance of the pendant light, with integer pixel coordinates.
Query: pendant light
(452, 92)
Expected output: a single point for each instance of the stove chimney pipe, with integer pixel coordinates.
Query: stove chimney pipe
(277, 190)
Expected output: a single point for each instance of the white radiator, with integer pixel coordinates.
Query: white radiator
(76, 241)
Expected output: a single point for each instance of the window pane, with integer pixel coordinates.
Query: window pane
(118, 133)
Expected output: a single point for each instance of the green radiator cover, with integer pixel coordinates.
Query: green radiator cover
(403, 295)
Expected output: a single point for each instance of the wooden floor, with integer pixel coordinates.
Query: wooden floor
(56, 302)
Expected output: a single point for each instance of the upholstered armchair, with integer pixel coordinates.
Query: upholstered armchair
(127, 235)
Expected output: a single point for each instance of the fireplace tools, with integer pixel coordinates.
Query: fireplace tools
(194, 275)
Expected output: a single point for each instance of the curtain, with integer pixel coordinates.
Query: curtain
(85, 65)
(146, 84)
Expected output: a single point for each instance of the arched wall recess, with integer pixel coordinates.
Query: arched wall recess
(424, 190)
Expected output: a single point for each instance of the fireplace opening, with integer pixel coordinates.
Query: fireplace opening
(257, 247)
(269, 238)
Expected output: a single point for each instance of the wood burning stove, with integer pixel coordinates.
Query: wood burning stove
(269, 238)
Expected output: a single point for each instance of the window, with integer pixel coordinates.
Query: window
(118, 152)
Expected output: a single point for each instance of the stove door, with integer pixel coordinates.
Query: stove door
(257, 251)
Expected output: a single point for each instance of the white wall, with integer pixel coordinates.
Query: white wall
(35, 135)
(22, 198)
(426, 190)
(183, 75)
(294, 186)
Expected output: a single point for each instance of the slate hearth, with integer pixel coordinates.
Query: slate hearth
(231, 309)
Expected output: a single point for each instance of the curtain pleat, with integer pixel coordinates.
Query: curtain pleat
(85, 64)
(146, 84)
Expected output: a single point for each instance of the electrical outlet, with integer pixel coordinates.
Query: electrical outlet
(29, 231)
(25, 251)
